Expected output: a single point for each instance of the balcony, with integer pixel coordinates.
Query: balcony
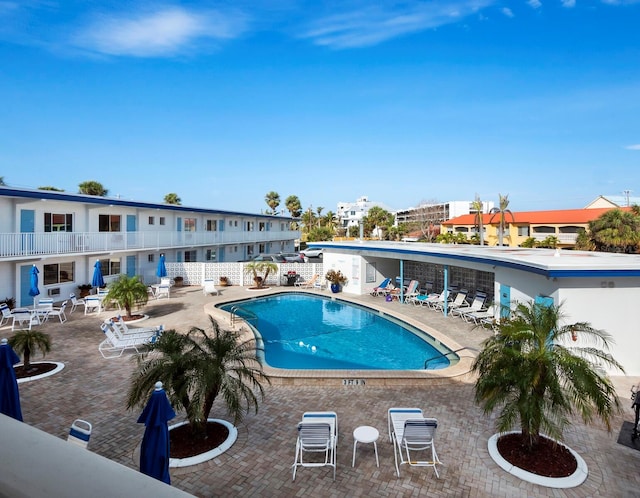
(24, 245)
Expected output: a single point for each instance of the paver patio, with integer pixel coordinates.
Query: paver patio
(259, 463)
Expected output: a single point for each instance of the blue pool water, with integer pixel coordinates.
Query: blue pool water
(300, 331)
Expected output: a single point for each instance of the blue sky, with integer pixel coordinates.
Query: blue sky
(403, 101)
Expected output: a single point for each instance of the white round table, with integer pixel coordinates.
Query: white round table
(365, 434)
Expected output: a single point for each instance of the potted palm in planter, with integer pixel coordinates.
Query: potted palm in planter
(337, 279)
(128, 292)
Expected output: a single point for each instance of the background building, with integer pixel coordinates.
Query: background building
(350, 213)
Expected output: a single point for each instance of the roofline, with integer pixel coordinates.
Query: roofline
(110, 201)
(492, 261)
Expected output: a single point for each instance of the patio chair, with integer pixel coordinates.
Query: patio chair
(166, 281)
(59, 312)
(459, 302)
(308, 284)
(45, 304)
(75, 302)
(382, 288)
(476, 305)
(317, 434)
(113, 346)
(80, 433)
(23, 319)
(413, 436)
(6, 314)
(209, 287)
(431, 300)
(121, 329)
(92, 304)
(412, 291)
(163, 291)
(481, 317)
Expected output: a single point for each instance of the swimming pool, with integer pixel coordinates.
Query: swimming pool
(302, 331)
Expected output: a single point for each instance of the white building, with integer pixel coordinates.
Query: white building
(437, 213)
(350, 213)
(613, 201)
(63, 234)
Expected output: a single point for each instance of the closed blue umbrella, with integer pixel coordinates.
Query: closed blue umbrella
(97, 281)
(9, 395)
(154, 452)
(161, 271)
(33, 283)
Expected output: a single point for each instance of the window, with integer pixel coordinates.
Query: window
(235, 223)
(58, 273)
(152, 220)
(110, 266)
(523, 231)
(262, 226)
(249, 250)
(190, 256)
(54, 222)
(212, 225)
(162, 220)
(189, 224)
(262, 248)
(210, 255)
(151, 258)
(249, 226)
(109, 223)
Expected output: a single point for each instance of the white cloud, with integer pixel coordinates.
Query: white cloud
(373, 24)
(161, 33)
(569, 3)
(535, 4)
(507, 12)
(633, 147)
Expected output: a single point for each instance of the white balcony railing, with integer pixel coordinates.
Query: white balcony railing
(563, 238)
(29, 244)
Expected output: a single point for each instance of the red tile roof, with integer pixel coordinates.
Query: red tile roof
(554, 217)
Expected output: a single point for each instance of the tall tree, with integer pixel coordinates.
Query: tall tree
(53, 189)
(172, 198)
(92, 187)
(308, 218)
(502, 211)
(478, 207)
(613, 231)
(377, 217)
(319, 211)
(529, 371)
(293, 205)
(273, 201)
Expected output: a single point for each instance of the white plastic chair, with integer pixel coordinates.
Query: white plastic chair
(209, 287)
(92, 304)
(80, 433)
(23, 319)
(317, 433)
(413, 438)
(6, 314)
(59, 312)
(163, 291)
(75, 302)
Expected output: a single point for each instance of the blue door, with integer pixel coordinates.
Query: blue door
(131, 266)
(505, 300)
(27, 229)
(220, 258)
(131, 230)
(25, 285)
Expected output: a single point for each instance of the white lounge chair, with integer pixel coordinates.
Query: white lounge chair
(476, 305)
(479, 317)
(113, 346)
(121, 329)
(209, 287)
(383, 288)
(460, 301)
(413, 438)
(317, 434)
(80, 433)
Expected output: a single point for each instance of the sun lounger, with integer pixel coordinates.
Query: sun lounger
(113, 346)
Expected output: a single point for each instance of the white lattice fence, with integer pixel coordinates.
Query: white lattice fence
(197, 273)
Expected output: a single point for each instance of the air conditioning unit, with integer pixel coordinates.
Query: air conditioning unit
(54, 292)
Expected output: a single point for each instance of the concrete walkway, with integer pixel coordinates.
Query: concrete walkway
(259, 463)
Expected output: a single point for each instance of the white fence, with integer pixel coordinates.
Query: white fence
(197, 273)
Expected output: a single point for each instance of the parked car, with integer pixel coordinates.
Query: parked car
(276, 258)
(293, 257)
(312, 252)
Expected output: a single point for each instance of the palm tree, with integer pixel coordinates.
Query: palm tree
(195, 368)
(257, 267)
(173, 198)
(293, 206)
(502, 211)
(128, 292)
(92, 188)
(529, 372)
(25, 342)
(330, 220)
(615, 231)
(273, 201)
(478, 207)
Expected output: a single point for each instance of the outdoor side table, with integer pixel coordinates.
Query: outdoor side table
(365, 434)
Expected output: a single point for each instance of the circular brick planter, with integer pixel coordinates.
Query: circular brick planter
(203, 457)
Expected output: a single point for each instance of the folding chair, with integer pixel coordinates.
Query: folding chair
(413, 439)
(317, 434)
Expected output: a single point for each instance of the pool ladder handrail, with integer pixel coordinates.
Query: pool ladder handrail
(442, 355)
(235, 316)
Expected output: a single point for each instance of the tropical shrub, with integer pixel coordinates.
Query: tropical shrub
(26, 342)
(128, 292)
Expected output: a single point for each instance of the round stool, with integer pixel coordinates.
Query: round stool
(365, 434)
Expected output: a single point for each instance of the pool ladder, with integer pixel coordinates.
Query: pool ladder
(238, 314)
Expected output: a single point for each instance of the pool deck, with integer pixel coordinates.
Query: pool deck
(259, 463)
